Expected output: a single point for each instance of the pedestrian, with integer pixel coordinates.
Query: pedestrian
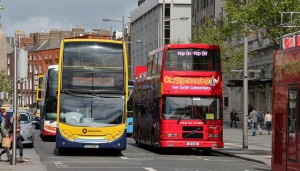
(1, 111)
(8, 127)
(268, 121)
(253, 116)
(5, 129)
(233, 116)
(260, 121)
(20, 139)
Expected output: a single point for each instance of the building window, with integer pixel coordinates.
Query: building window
(46, 56)
(35, 71)
(40, 69)
(50, 56)
(40, 57)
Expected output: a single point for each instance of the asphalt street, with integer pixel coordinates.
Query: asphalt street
(138, 158)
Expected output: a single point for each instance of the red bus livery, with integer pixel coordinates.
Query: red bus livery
(178, 99)
(286, 114)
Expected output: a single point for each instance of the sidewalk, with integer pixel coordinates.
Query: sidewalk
(33, 162)
(259, 146)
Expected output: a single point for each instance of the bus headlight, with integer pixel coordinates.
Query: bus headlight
(169, 135)
(117, 134)
(67, 134)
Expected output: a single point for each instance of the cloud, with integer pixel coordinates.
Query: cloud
(44, 15)
(39, 24)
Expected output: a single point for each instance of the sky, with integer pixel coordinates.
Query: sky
(43, 15)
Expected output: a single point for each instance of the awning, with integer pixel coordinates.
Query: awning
(251, 82)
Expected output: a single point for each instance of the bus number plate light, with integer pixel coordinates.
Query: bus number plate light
(91, 146)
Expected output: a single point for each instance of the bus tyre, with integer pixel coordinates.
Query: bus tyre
(206, 151)
(61, 150)
(117, 152)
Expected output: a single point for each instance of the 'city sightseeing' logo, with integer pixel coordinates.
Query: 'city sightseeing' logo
(195, 81)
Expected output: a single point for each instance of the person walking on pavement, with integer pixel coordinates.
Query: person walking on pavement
(253, 116)
(260, 121)
(233, 116)
(1, 111)
(268, 121)
(5, 129)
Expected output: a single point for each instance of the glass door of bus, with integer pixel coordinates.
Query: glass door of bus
(292, 129)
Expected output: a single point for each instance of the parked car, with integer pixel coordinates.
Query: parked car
(26, 124)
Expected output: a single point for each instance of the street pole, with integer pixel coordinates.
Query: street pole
(15, 106)
(245, 83)
(163, 24)
(123, 29)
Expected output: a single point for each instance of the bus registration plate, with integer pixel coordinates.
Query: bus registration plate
(192, 143)
(91, 146)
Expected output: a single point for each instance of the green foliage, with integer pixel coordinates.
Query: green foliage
(218, 34)
(245, 17)
(261, 15)
(6, 84)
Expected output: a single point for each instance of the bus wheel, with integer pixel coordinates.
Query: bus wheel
(117, 152)
(206, 151)
(61, 150)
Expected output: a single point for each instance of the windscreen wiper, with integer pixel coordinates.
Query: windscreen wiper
(179, 119)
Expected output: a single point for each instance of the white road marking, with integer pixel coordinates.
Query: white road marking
(60, 165)
(149, 169)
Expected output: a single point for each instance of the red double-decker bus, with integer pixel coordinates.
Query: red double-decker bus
(286, 110)
(178, 99)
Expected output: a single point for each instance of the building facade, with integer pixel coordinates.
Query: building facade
(155, 23)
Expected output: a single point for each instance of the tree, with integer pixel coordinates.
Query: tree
(6, 84)
(218, 34)
(261, 16)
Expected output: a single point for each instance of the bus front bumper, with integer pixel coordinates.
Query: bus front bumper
(191, 144)
(119, 143)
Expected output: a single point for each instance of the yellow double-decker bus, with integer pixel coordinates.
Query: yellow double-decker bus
(92, 94)
(38, 100)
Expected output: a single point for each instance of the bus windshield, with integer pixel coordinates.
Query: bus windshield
(53, 81)
(192, 60)
(50, 117)
(92, 110)
(191, 108)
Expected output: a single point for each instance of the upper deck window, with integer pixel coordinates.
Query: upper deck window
(192, 60)
(93, 66)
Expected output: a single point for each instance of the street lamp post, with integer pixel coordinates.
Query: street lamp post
(120, 21)
(245, 86)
